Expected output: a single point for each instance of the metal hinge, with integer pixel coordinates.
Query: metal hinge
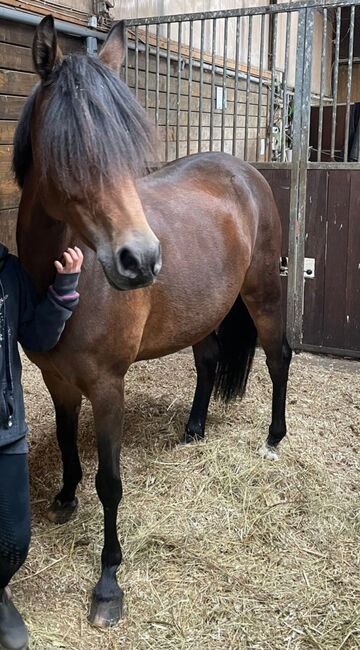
(309, 267)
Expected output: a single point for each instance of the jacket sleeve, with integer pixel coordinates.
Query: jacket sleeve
(41, 322)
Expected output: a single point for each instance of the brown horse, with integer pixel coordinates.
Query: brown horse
(80, 146)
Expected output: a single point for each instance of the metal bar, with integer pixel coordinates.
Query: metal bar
(136, 63)
(334, 165)
(349, 81)
(335, 81)
(236, 85)
(191, 31)
(146, 67)
(27, 18)
(213, 54)
(202, 37)
(168, 33)
(248, 68)
(126, 46)
(272, 93)
(285, 87)
(272, 165)
(178, 98)
(322, 83)
(246, 11)
(226, 28)
(258, 130)
(157, 73)
(338, 352)
(299, 178)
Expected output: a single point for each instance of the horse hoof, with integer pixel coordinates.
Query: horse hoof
(105, 613)
(268, 452)
(190, 437)
(60, 513)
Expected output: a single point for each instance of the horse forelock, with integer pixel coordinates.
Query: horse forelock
(91, 129)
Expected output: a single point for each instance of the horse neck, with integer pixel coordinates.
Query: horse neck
(40, 239)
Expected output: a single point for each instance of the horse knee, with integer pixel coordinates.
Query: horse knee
(109, 488)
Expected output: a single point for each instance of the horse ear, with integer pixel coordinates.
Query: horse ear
(45, 49)
(112, 52)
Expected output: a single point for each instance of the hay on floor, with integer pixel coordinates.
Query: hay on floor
(222, 550)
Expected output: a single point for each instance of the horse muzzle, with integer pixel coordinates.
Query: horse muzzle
(134, 266)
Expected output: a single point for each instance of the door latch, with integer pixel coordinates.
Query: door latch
(309, 267)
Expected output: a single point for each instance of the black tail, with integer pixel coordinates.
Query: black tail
(237, 338)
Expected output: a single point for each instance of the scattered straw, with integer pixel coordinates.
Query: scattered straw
(222, 550)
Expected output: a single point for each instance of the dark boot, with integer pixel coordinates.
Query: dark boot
(13, 632)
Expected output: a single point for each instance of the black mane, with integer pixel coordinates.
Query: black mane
(92, 126)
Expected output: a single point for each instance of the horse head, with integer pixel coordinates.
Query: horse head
(86, 139)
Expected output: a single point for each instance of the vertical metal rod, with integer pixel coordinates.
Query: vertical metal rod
(126, 45)
(322, 84)
(191, 31)
(202, 37)
(261, 68)
(335, 82)
(157, 76)
(248, 70)
(349, 81)
(178, 98)
(136, 62)
(212, 101)
(226, 29)
(168, 33)
(146, 67)
(236, 85)
(272, 94)
(299, 171)
(285, 86)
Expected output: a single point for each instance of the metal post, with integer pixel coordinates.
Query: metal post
(299, 178)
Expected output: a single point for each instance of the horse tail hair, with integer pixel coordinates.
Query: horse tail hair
(237, 337)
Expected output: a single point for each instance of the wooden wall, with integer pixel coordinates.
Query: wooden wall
(16, 80)
(332, 298)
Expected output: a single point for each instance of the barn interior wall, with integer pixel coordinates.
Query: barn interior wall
(196, 121)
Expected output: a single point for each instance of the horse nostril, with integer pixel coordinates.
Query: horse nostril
(128, 261)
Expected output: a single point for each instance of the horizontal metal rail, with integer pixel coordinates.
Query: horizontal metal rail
(27, 18)
(246, 11)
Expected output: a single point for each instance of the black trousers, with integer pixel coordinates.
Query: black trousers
(14, 514)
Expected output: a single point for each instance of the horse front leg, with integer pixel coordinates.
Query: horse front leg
(67, 402)
(108, 407)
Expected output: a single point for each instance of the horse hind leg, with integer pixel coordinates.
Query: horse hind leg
(67, 402)
(223, 361)
(264, 307)
(206, 355)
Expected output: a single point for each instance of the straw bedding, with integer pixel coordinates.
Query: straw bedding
(222, 550)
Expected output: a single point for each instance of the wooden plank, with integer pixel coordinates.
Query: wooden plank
(18, 34)
(15, 57)
(352, 316)
(8, 228)
(9, 193)
(315, 242)
(336, 255)
(16, 83)
(7, 130)
(10, 107)
(6, 152)
(68, 14)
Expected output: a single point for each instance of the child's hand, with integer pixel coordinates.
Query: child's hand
(73, 259)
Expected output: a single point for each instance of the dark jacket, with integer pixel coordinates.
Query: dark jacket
(36, 325)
